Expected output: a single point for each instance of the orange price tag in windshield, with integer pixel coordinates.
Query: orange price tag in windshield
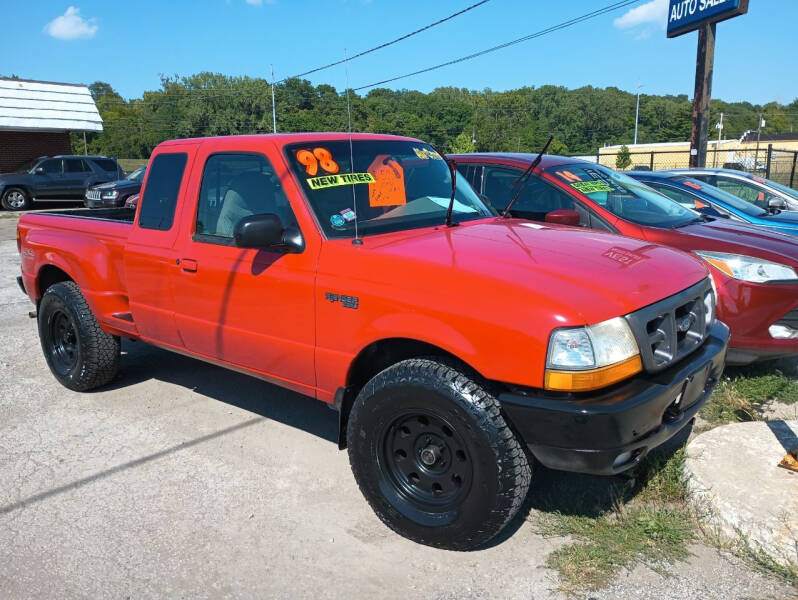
(312, 160)
(568, 176)
(388, 188)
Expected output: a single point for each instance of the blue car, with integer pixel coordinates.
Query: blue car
(712, 201)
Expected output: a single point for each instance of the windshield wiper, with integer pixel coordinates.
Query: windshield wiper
(524, 177)
(453, 175)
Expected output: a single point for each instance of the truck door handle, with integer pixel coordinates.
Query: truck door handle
(189, 265)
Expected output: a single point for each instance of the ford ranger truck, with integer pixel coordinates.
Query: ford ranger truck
(458, 347)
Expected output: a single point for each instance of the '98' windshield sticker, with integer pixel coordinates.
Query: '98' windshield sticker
(591, 187)
(427, 154)
(326, 181)
(312, 161)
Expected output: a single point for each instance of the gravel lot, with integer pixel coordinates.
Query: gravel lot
(183, 480)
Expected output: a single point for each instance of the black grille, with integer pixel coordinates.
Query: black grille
(672, 328)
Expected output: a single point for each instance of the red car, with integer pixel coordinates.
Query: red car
(754, 269)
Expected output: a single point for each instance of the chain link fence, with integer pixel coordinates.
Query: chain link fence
(772, 163)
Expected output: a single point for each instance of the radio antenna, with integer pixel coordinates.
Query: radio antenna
(357, 241)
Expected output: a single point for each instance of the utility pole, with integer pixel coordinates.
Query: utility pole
(758, 133)
(85, 147)
(637, 111)
(705, 60)
(717, 148)
(274, 110)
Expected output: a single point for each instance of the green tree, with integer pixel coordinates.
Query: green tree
(462, 144)
(623, 159)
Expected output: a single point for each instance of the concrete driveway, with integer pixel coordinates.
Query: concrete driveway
(183, 480)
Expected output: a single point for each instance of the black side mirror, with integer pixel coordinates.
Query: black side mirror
(775, 204)
(267, 231)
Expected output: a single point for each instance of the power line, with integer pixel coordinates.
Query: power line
(386, 44)
(525, 38)
(327, 66)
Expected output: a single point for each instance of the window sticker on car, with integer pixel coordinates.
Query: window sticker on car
(568, 176)
(315, 158)
(427, 154)
(591, 187)
(389, 188)
(337, 221)
(695, 186)
(348, 214)
(326, 181)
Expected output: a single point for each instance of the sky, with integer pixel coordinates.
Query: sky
(130, 44)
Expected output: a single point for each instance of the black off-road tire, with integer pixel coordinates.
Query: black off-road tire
(79, 353)
(433, 408)
(15, 198)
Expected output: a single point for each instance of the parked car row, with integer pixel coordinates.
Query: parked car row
(55, 178)
(462, 314)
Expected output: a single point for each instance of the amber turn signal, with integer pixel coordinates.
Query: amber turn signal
(592, 379)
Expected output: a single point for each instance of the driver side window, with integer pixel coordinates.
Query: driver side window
(746, 191)
(52, 167)
(235, 186)
(537, 199)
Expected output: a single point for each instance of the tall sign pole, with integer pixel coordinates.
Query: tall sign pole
(704, 64)
(701, 15)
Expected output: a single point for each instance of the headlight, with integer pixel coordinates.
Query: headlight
(588, 358)
(112, 195)
(748, 268)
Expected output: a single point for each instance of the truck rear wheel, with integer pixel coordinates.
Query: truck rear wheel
(79, 353)
(433, 455)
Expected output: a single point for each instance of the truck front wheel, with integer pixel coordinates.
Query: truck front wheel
(433, 455)
(79, 353)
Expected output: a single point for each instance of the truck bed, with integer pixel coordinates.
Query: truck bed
(121, 213)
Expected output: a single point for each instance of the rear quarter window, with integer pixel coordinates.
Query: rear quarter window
(106, 164)
(160, 194)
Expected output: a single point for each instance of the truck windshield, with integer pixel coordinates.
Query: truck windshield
(382, 186)
(623, 196)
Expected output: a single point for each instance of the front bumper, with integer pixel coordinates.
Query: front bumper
(610, 431)
(749, 309)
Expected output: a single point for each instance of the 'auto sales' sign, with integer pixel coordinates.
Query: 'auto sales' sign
(689, 15)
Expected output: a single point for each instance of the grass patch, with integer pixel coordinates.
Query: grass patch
(131, 164)
(645, 521)
(605, 545)
(744, 393)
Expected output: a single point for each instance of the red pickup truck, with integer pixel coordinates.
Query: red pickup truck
(352, 269)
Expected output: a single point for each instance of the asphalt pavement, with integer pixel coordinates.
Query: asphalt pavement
(184, 480)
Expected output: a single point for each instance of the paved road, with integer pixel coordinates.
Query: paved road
(183, 480)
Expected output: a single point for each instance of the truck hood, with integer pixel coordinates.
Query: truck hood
(581, 276)
(724, 235)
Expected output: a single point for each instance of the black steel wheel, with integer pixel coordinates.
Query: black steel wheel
(426, 462)
(79, 353)
(433, 455)
(62, 342)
